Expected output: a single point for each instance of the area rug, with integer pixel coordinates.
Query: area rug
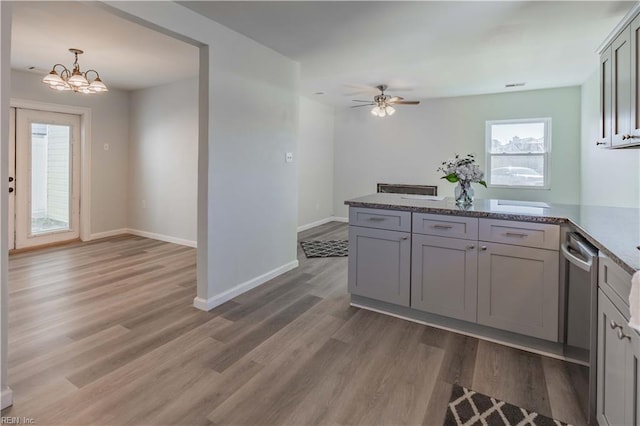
(333, 248)
(470, 408)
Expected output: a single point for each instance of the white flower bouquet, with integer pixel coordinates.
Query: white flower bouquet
(465, 171)
(462, 169)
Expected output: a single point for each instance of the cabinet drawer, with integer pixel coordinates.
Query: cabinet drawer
(525, 234)
(613, 279)
(445, 226)
(391, 220)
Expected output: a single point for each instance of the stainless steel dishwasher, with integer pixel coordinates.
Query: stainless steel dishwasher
(581, 311)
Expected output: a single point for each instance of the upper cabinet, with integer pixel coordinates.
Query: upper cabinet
(619, 89)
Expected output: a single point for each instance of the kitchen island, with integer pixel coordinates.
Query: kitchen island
(613, 230)
(495, 270)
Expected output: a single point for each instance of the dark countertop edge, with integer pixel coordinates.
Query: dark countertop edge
(456, 212)
(503, 216)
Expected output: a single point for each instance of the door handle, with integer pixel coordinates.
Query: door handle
(11, 190)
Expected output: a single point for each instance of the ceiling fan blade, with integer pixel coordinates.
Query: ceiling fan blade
(357, 100)
(395, 99)
(406, 102)
(357, 106)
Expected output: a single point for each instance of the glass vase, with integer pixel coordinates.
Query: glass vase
(464, 193)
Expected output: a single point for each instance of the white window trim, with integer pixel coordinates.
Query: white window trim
(546, 155)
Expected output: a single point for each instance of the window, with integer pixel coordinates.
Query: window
(518, 153)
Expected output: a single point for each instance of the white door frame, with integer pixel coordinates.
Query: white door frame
(85, 154)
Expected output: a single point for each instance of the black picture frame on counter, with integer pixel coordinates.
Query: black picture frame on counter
(394, 188)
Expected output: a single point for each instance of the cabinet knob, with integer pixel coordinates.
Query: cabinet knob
(624, 137)
(601, 143)
(404, 238)
(622, 336)
(613, 325)
(483, 248)
(470, 247)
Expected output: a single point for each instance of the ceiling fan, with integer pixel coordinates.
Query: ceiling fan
(383, 104)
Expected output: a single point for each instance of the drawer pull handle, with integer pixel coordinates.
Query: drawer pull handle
(515, 234)
(404, 238)
(483, 248)
(622, 336)
(442, 226)
(470, 247)
(613, 325)
(377, 219)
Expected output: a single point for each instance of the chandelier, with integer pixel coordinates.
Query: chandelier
(75, 79)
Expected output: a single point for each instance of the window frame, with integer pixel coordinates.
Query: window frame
(546, 154)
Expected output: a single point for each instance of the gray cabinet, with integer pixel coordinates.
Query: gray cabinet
(619, 89)
(618, 372)
(379, 264)
(444, 276)
(604, 136)
(518, 289)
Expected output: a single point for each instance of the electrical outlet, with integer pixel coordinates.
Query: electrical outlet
(288, 158)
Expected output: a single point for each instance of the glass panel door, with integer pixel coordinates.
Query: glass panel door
(47, 196)
(50, 178)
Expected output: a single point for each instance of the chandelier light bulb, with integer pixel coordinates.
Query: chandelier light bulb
(390, 110)
(76, 80)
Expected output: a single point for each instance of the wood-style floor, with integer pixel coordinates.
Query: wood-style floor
(105, 333)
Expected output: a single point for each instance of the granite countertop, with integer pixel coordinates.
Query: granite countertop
(613, 230)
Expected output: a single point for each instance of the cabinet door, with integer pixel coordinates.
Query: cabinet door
(604, 138)
(634, 29)
(379, 264)
(518, 289)
(444, 276)
(633, 375)
(621, 88)
(613, 393)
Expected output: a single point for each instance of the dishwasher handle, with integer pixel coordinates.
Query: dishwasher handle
(582, 264)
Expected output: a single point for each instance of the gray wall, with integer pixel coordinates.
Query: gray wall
(163, 160)
(247, 194)
(109, 124)
(6, 395)
(409, 146)
(610, 177)
(315, 162)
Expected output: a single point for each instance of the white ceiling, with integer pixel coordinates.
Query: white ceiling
(433, 48)
(127, 55)
(423, 49)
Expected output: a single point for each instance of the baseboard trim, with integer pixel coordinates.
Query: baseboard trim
(161, 237)
(6, 398)
(322, 222)
(314, 224)
(107, 234)
(217, 300)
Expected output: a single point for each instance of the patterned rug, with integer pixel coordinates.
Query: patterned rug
(469, 408)
(334, 248)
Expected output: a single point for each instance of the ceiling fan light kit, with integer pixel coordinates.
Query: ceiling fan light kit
(75, 80)
(383, 103)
